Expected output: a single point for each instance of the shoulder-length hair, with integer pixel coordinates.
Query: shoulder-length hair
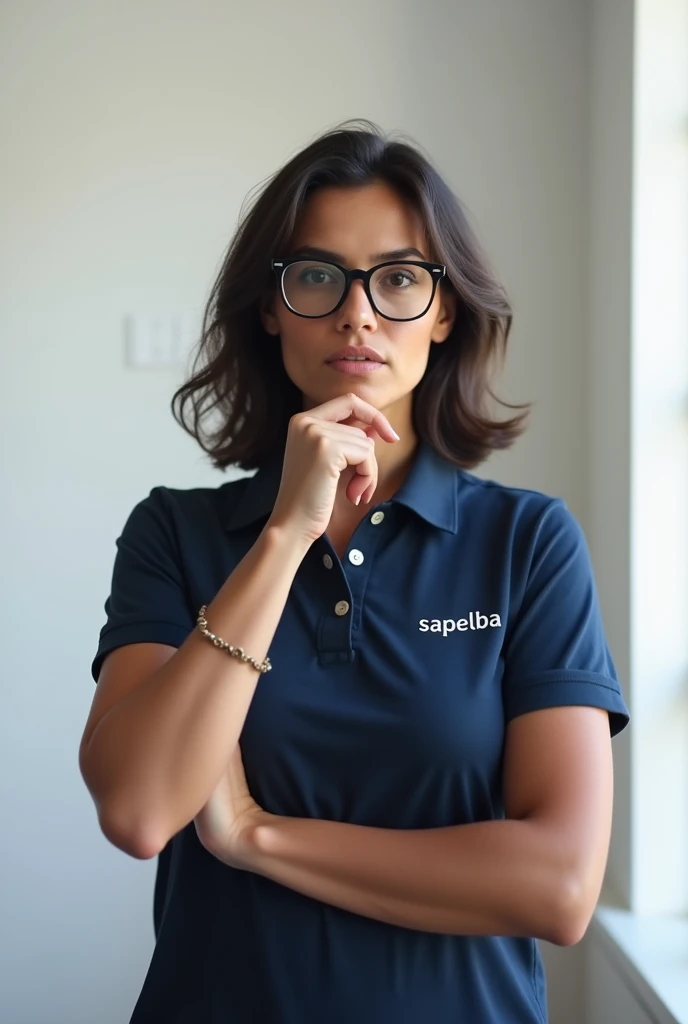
(242, 374)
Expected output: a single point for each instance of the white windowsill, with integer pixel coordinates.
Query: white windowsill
(650, 951)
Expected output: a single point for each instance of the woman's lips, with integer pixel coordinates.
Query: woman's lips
(354, 365)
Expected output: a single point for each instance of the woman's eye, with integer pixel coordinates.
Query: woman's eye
(400, 276)
(308, 276)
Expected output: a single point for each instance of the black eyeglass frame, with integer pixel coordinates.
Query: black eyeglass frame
(437, 272)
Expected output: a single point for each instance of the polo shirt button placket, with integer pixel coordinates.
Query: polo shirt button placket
(357, 580)
(329, 631)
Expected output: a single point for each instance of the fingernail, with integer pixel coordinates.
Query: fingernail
(357, 500)
(395, 434)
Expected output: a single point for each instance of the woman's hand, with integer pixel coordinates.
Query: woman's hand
(225, 824)
(320, 447)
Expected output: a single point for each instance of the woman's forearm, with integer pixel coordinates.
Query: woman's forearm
(502, 877)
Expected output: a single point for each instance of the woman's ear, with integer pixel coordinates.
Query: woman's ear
(446, 316)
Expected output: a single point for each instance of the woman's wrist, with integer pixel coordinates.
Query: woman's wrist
(285, 535)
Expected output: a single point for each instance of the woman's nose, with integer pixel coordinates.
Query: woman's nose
(356, 308)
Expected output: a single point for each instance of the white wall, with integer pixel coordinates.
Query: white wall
(132, 134)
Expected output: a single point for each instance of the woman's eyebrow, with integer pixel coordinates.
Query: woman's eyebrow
(337, 257)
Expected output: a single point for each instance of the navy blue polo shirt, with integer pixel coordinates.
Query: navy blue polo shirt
(460, 603)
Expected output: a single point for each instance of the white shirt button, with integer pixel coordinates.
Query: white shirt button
(377, 517)
(355, 556)
(341, 607)
(327, 561)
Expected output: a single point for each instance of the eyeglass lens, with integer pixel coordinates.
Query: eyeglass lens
(402, 291)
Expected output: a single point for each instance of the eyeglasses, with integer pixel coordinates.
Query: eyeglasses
(397, 290)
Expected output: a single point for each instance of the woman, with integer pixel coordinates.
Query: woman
(423, 783)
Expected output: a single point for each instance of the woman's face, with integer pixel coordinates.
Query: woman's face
(356, 223)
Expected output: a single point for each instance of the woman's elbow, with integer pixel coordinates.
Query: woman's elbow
(136, 843)
(572, 914)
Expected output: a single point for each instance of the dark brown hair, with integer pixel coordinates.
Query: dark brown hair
(242, 374)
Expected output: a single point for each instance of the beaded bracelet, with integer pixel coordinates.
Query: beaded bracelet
(236, 652)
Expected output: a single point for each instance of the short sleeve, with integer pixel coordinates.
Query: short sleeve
(147, 601)
(557, 653)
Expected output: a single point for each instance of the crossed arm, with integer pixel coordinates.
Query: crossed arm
(538, 872)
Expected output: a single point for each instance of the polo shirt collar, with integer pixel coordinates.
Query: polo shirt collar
(430, 490)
